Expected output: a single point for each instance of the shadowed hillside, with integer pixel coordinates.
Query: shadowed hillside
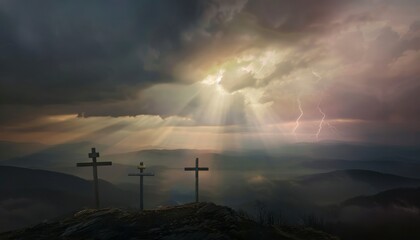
(336, 186)
(29, 196)
(190, 221)
(387, 215)
(400, 197)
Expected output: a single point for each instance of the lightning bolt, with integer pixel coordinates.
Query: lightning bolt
(316, 75)
(321, 122)
(332, 127)
(300, 115)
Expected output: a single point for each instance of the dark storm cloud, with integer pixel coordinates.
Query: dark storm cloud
(59, 55)
(59, 52)
(65, 57)
(296, 16)
(390, 81)
(76, 51)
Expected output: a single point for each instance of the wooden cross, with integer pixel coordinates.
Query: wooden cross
(196, 169)
(141, 167)
(94, 164)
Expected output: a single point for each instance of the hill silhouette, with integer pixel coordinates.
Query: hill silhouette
(400, 197)
(373, 178)
(189, 221)
(337, 186)
(391, 214)
(29, 196)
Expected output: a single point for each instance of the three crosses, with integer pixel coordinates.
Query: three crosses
(141, 174)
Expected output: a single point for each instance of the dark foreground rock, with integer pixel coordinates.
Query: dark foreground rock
(191, 221)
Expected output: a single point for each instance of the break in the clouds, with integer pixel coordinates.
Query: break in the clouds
(244, 71)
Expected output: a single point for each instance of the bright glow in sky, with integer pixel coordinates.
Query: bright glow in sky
(235, 75)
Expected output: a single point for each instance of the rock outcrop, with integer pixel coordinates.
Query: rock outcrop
(191, 221)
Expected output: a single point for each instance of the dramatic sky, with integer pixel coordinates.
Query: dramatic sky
(210, 74)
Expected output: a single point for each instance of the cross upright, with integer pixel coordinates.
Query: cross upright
(142, 174)
(94, 164)
(196, 169)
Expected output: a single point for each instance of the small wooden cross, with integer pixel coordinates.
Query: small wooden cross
(141, 167)
(94, 164)
(196, 169)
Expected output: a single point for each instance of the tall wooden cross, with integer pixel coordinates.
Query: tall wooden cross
(142, 174)
(94, 164)
(196, 169)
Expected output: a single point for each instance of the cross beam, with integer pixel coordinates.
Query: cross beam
(94, 164)
(196, 169)
(142, 174)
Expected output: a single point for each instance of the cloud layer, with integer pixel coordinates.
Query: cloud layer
(233, 64)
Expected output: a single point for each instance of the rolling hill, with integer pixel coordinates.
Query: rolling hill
(28, 196)
(336, 186)
(373, 178)
(399, 197)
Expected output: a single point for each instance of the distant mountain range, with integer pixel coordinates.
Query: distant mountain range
(375, 179)
(28, 196)
(336, 186)
(316, 156)
(409, 168)
(399, 197)
(15, 178)
(285, 162)
(313, 193)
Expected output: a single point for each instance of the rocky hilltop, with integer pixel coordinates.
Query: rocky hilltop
(191, 221)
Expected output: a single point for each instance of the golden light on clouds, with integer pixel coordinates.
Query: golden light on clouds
(240, 75)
